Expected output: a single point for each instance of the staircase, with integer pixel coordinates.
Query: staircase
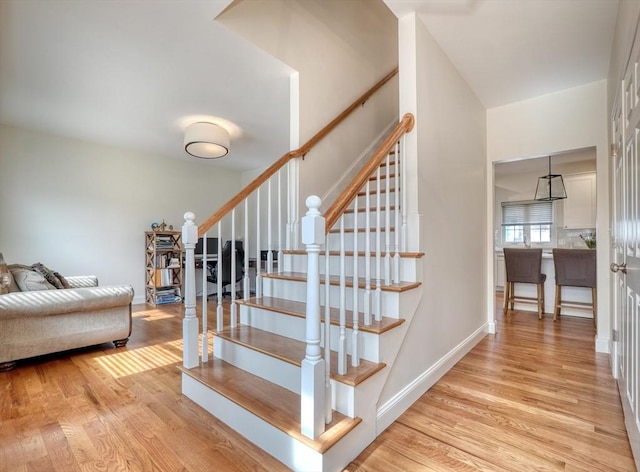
(253, 383)
(305, 388)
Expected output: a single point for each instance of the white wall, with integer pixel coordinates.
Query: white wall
(82, 208)
(626, 25)
(447, 150)
(575, 118)
(340, 49)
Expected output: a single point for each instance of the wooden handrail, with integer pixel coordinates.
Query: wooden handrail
(207, 224)
(343, 201)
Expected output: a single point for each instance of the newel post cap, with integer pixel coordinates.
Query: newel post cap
(313, 224)
(189, 229)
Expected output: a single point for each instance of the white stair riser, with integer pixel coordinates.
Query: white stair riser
(333, 241)
(373, 219)
(295, 290)
(408, 266)
(357, 402)
(274, 370)
(373, 199)
(293, 453)
(294, 327)
(267, 367)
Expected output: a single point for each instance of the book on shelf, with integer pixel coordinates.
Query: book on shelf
(168, 295)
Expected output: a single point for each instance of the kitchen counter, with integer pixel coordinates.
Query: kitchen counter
(577, 294)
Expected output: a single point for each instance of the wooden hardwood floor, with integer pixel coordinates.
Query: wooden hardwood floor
(533, 397)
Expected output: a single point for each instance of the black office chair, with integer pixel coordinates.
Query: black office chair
(225, 260)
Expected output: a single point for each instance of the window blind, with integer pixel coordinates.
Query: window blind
(527, 213)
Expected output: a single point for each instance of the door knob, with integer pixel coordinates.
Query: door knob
(619, 267)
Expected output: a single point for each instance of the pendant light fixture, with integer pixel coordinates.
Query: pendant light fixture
(550, 187)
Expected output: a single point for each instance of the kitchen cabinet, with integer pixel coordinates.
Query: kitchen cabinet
(580, 204)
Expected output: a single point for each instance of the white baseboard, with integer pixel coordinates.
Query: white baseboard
(138, 300)
(394, 407)
(491, 327)
(603, 345)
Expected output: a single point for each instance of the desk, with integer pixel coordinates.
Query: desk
(211, 290)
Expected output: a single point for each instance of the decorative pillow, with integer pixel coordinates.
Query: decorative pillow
(29, 280)
(47, 274)
(63, 281)
(5, 276)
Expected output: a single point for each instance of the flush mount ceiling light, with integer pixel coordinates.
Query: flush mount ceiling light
(550, 187)
(206, 140)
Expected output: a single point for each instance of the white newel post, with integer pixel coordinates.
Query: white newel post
(312, 391)
(190, 323)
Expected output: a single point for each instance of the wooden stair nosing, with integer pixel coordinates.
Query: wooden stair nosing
(274, 404)
(363, 210)
(406, 255)
(362, 230)
(382, 177)
(375, 191)
(292, 351)
(334, 280)
(298, 309)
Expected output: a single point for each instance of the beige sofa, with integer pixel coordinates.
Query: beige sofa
(38, 322)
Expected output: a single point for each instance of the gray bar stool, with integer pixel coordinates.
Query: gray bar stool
(575, 268)
(523, 266)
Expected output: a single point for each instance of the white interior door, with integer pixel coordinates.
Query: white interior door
(626, 253)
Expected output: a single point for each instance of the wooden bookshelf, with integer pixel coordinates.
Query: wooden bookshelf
(163, 271)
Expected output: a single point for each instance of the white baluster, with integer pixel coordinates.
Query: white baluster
(327, 336)
(279, 222)
(258, 255)
(219, 310)
(396, 233)
(355, 335)
(234, 319)
(190, 322)
(294, 202)
(387, 225)
(342, 340)
(205, 331)
(269, 230)
(246, 286)
(403, 193)
(289, 216)
(312, 388)
(367, 254)
(378, 293)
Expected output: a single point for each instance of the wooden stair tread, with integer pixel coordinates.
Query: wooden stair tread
(407, 255)
(362, 210)
(382, 177)
(298, 309)
(270, 402)
(293, 351)
(361, 230)
(335, 280)
(375, 191)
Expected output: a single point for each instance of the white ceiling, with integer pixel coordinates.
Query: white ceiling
(511, 50)
(133, 73)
